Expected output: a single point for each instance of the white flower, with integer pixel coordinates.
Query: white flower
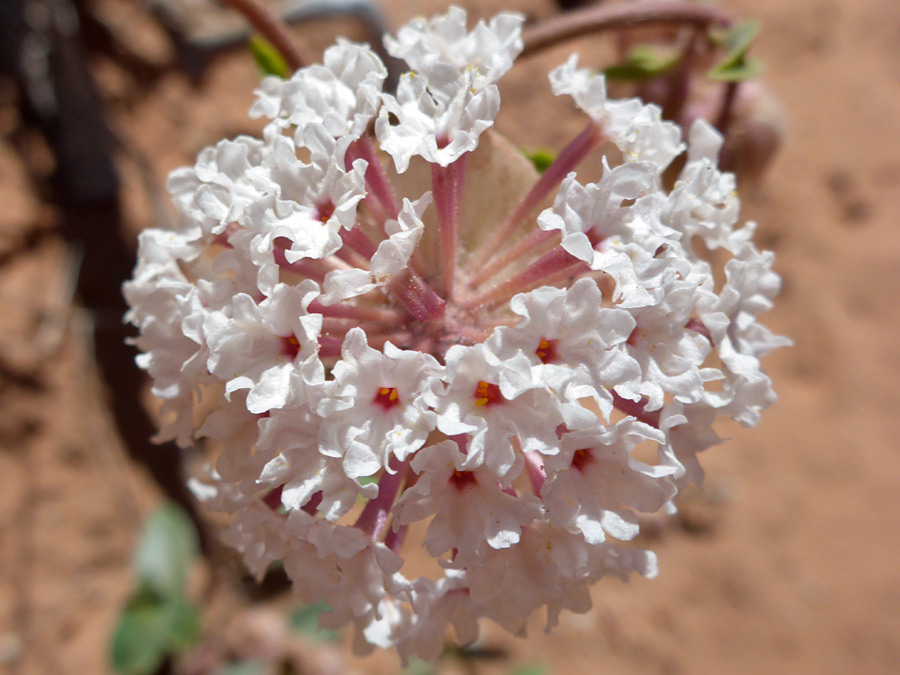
(670, 355)
(595, 485)
(311, 320)
(492, 402)
(739, 339)
(576, 346)
(342, 95)
(437, 605)
(269, 348)
(440, 116)
(471, 511)
(161, 299)
(704, 201)
(624, 241)
(225, 180)
(289, 437)
(307, 208)
(490, 48)
(637, 129)
(391, 257)
(376, 409)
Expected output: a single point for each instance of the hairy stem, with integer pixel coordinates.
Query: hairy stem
(549, 264)
(359, 241)
(524, 246)
(417, 298)
(376, 178)
(354, 312)
(446, 199)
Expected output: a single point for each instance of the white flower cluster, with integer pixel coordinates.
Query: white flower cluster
(359, 393)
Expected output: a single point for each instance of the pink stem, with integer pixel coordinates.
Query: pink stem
(551, 263)
(416, 297)
(359, 241)
(273, 498)
(377, 340)
(375, 209)
(536, 473)
(525, 245)
(307, 267)
(568, 274)
(444, 183)
(352, 258)
(567, 160)
(312, 505)
(334, 325)
(698, 326)
(636, 410)
(376, 178)
(394, 538)
(355, 312)
(330, 346)
(462, 164)
(375, 514)
(462, 442)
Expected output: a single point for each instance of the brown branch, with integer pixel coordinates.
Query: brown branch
(272, 29)
(599, 18)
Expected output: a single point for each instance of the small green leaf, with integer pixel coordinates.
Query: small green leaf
(736, 66)
(417, 666)
(167, 548)
(268, 59)
(150, 628)
(306, 620)
(746, 69)
(243, 668)
(643, 63)
(530, 669)
(541, 158)
(738, 38)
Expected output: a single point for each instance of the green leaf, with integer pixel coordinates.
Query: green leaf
(736, 66)
(643, 63)
(530, 669)
(243, 668)
(306, 620)
(541, 158)
(166, 550)
(150, 628)
(746, 69)
(268, 59)
(419, 667)
(738, 38)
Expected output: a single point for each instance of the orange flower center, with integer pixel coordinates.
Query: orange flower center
(387, 397)
(487, 394)
(546, 350)
(290, 346)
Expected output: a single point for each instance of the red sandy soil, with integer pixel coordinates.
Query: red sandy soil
(787, 562)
